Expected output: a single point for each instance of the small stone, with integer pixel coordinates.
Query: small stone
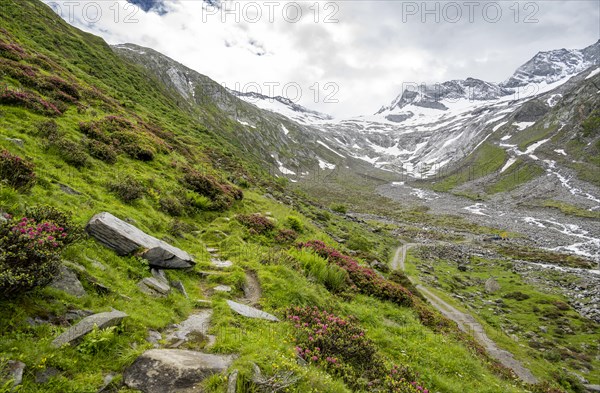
(73, 315)
(154, 337)
(68, 282)
(15, 371)
(46, 374)
(108, 378)
(68, 190)
(212, 250)
(202, 303)
(160, 275)
(219, 264)
(222, 288)
(491, 285)
(178, 285)
(154, 287)
(16, 141)
(232, 382)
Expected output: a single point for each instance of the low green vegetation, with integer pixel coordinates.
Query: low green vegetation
(537, 326)
(519, 173)
(485, 160)
(85, 132)
(571, 210)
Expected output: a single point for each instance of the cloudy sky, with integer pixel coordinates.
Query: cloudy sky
(341, 57)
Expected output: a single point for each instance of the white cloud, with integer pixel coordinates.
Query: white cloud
(369, 53)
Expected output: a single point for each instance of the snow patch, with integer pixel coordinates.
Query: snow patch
(478, 208)
(329, 148)
(593, 73)
(524, 124)
(508, 164)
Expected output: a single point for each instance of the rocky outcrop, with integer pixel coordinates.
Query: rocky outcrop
(102, 320)
(173, 370)
(125, 238)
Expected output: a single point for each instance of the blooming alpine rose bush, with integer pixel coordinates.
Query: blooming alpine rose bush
(16, 172)
(342, 348)
(365, 279)
(30, 101)
(29, 254)
(256, 223)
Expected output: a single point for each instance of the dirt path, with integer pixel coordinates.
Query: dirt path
(466, 322)
(252, 291)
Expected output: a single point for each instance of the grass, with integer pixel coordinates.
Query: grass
(513, 323)
(201, 138)
(571, 210)
(519, 173)
(485, 160)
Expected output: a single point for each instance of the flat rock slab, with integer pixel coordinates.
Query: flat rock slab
(173, 370)
(68, 282)
(251, 312)
(220, 264)
(125, 238)
(196, 323)
(75, 333)
(222, 288)
(153, 286)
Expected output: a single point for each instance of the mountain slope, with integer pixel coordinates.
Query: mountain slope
(90, 132)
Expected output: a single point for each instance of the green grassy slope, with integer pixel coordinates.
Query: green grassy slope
(70, 100)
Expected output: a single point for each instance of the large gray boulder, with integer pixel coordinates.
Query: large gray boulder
(75, 333)
(251, 312)
(173, 370)
(124, 238)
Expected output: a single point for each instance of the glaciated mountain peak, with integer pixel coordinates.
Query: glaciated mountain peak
(551, 66)
(435, 96)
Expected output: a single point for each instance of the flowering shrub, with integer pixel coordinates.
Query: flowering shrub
(285, 236)
(71, 152)
(15, 171)
(127, 189)
(256, 223)
(136, 140)
(339, 346)
(365, 279)
(47, 213)
(61, 87)
(25, 74)
(30, 101)
(102, 151)
(29, 254)
(342, 348)
(12, 51)
(221, 194)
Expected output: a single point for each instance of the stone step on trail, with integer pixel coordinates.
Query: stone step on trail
(173, 370)
(125, 239)
(251, 312)
(102, 320)
(195, 323)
